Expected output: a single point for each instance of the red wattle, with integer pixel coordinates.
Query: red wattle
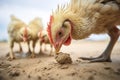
(68, 41)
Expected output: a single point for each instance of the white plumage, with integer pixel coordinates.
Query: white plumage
(15, 30)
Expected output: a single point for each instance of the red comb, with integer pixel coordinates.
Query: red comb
(49, 29)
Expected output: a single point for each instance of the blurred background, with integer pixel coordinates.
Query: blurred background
(26, 10)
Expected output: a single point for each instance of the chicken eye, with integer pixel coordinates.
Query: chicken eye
(60, 34)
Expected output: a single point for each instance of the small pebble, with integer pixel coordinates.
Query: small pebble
(39, 78)
(29, 76)
(91, 77)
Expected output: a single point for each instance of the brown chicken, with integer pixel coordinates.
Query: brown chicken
(15, 32)
(81, 18)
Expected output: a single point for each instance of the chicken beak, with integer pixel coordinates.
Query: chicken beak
(57, 46)
(24, 39)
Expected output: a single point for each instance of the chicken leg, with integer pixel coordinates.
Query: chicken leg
(40, 48)
(20, 50)
(105, 56)
(33, 52)
(51, 50)
(20, 47)
(29, 50)
(45, 47)
(11, 54)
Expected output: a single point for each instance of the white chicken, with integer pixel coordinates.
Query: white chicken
(81, 18)
(44, 40)
(34, 27)
(15, 32)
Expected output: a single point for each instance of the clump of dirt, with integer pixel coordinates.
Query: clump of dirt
(63, 58)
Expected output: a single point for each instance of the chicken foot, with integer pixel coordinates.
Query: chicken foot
(105, 57)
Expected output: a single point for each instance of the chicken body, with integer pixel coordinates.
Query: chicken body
(34, 26)
(15, 29)
(44, 40)
(81, 18)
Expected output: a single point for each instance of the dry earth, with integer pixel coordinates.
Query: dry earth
(45, 67)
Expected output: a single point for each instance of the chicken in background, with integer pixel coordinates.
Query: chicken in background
(16, 28)
(81, 18)
(34, 27)
(44, 40)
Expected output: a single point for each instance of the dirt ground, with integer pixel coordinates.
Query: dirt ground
(45, 67)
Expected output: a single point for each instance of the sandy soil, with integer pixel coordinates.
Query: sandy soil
(44, 67)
